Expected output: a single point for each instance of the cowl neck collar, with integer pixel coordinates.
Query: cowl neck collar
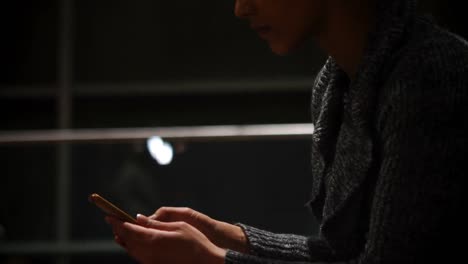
(394, 20)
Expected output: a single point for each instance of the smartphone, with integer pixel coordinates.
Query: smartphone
(110, 209)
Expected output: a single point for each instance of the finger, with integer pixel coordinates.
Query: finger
(119, 241)
(171, 214)
(162, 214)
(154, 224)
(119, 232)
(131, 233)
(125, 235)
(116, 224)
(176, 214)
(158, 225)
(111, 223)
(107, 219)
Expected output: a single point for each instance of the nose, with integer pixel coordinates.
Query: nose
(243, 8)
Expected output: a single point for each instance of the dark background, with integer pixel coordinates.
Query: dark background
(152, 63)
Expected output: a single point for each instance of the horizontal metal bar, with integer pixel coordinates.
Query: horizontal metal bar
(28, 91)
(161, 88)
(200, 86)
(55, 248)
(198, 133)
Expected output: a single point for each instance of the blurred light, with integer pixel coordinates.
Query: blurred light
(161, 151)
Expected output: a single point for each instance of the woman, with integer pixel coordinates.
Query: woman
(389, 149)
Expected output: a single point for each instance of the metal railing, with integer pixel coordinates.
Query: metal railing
(195, 133)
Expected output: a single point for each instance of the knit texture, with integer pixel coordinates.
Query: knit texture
(389, 153)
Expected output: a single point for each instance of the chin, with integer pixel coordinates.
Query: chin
(283, 49)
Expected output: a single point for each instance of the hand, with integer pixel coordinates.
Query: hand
(222, 234)
(152, 241)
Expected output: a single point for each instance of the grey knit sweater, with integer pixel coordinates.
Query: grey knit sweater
(389, 153)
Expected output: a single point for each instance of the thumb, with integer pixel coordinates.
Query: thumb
(154, 224)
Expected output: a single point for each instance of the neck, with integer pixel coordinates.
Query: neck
(346, 34)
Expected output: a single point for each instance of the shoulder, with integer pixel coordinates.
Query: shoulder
(432, 51)
(431, 61)
(428, 78)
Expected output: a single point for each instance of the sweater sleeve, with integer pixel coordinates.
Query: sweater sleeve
(283, 246)
(267, 247)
